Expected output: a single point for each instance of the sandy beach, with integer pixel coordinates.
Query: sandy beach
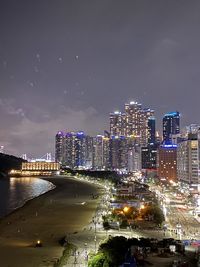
(48, 217)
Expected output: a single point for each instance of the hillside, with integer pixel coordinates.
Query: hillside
(9, 162)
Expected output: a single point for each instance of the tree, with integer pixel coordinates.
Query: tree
(158, 215)
(114, 250)
(97, 260)
(153, 212)
(124, 224)
(106, 225)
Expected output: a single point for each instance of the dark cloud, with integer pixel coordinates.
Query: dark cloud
(67, 64)
(30, 135)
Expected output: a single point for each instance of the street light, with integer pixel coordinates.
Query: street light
(165, 228)
(75, 257)
(125, 209)
(95, 233)
(85, 253)
(142, 207)
(179, 230)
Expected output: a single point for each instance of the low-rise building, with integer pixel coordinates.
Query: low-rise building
(37, 168)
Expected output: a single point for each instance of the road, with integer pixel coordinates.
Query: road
(85, 241)
(179, 216)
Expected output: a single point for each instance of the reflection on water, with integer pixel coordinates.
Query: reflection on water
(14, 192)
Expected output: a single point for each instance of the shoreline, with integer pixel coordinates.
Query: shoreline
(49, 217)
(28, 200)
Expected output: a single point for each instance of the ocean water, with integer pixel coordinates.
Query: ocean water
(15, 192)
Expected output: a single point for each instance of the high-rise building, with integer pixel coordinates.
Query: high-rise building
(135, 121)
(171, 126)
(188, 161)
(80, 150)
(118, 150)
(76, 150)
(89, 152)
(106, 153)
(145, 130)
(117, 123)
(149, 157)
(167, 168)
(149, 152)
(134, 155)
(133, 112)
(101, 153)
(73, 149)
(98, 152)
(151, 131)
(59, 147)
(70, 149)
(119, 153)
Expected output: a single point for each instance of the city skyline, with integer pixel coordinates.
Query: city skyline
(100, 133)
(67, 65)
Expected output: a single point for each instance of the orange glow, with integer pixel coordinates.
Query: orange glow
(125, 209)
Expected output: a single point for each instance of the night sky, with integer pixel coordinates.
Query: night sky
(65, 64)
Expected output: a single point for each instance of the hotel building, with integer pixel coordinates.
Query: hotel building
(167, 169)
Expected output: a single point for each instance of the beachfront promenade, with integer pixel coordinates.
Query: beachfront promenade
(61, 212)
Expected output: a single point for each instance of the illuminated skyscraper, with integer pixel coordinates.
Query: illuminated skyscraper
(106, 153)
(137, 121)
(146, 126)
(119, 152)
(75, 149)
(134, 154)
(89, 152)
(117, 123)
(98, 152)
(133, 118)
(133, 122)
(59, 147)
(171, 126)
(101, 153)
(80, 150)
(70, 149)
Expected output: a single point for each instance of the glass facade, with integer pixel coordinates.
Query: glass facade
(171, 126)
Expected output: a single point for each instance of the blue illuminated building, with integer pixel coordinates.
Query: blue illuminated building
(171, 126)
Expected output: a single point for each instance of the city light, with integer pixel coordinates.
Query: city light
(125, 209)
(99, 85)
